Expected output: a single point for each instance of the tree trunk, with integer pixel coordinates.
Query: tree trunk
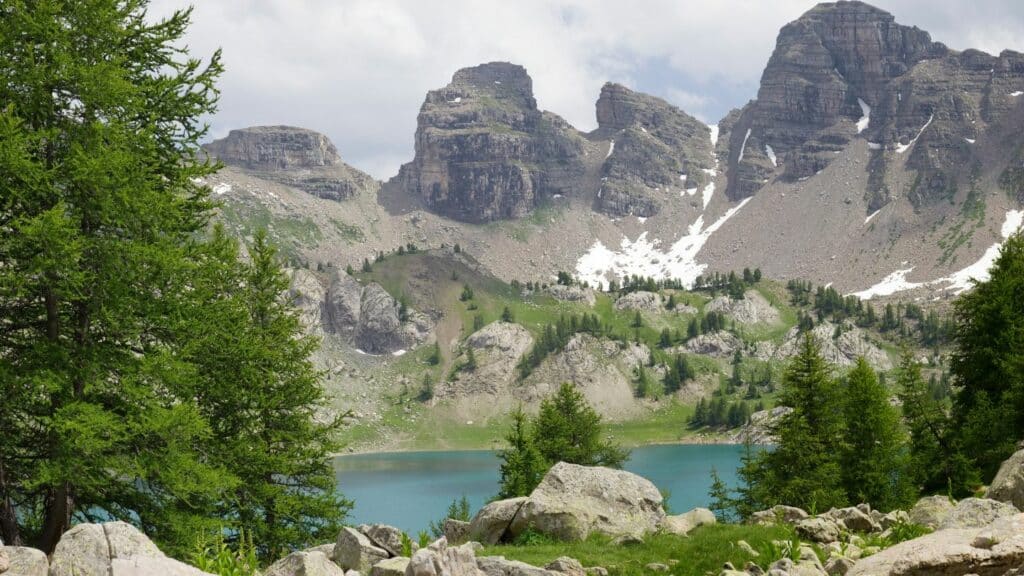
(58, 517)
(8, 518)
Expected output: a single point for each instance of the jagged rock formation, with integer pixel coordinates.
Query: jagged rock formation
(485, 152)
(847, 69)
(296, 157)
(656, 151)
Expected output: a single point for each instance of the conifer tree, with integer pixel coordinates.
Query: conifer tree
(522, 466)
(567, 429)
(875, 464)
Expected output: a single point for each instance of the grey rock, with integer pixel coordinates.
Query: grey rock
(572, 294)
(5, 559)
(342, 304)
(931, 511)
(839, 566)
(456, 531)
(383, 536)
(682, 524)
(657, 567)
(1008, 485)
(818, 529)
(439, 559)
(640, 301)
(304, 563)
(779, 514)
(977, 512)
(566, 565)
(390, 567)
(491, 524)
(500, 566)
(26, 562)
(574, 501)
(152, 566)
(90, 549)
(325, 549)
(853, 519)
(379, 330)
(354, 551)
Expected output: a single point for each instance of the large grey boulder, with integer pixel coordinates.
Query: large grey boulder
(931, 511)
(977, 512)
(493, 521)
(996, 549)
(112, 549)
(1008, 485)
(778, 514)
(439, 559)
(574, 501)
(26, 562)
(456, 531)
(5, 559)
(354, 551)
(566, 566)
(391, 567)
(681, 524)
(304, 563)
(819, 529)
(383, 536)
(853, 519)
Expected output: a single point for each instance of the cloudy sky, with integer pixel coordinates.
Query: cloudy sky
(357, 70)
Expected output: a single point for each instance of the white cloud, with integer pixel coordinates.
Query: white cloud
(357, 70)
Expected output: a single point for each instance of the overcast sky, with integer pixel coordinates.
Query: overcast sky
(357, 70)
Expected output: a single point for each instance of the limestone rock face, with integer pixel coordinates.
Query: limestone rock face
(296, 157)
(485, 152)
(304, 564)
(354, 551)
(1008, 485)
(658, 150)
(342, 304)
(26, 562)
(996, 549)
(369, 317)
(574, 501)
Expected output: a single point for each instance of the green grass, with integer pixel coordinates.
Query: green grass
(667, 424)
(704, 551)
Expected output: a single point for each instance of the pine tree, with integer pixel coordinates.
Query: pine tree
(102, 217)
(522, 466)
(367, 267)
(988, 362)
(567, 429)
(470, 364)
(665, 340)
(506, 315)
(722, 503)
(638, 320)
(875, 464)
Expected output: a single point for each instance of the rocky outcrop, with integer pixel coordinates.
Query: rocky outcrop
(976, 512)
(440, 559)
(573, 501)
(753, 308)
(500, 566)
(493, 521)
(759, 430)
(996, 549)
(304, 563)
(572, 294)
(639, 300)
(26, 562)
(842, 350)
(721, 344)
(656, 151)
(1008, 485)
(296, 157)
(383, 536)
(369, 317)
(485, 152)
(112, 549)
(497, 348)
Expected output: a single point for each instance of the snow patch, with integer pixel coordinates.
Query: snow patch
(1017, 93)
(771, 155)
(456, 100)
(641, 219)
(714, 135)
(644, 258)
(969, 140)
(221, 188)
(874, 146)
(901, 148)
(398, 353)
(958, 281)
(871, 216)
(865, 118)
(743, 147)
(611, 148)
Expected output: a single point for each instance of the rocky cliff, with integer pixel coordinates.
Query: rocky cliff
(847, 70)
(296, 157)
(656, 152)
(484, 151)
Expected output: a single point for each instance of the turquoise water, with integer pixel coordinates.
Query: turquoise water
(410, 489)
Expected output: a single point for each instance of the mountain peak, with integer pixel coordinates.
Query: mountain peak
(275, 148)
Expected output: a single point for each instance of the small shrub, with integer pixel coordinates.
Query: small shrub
(217, 557)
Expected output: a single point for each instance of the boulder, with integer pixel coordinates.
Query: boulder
(574, 501)
(500, 566)
(390, 567)
(839, 566)
(818, 529)
(853, 519)
(1008, 485)
(778, 514)
(640, 300)
(439, 559)
(931, 511)
(354, 551)
(681, 524)
(977, 512)
(383, 536)
(566, 565)
(456, 531)
(304, 563)
(326, 549)
(492, 522)
(572, 294)
(91, 549)
(996, 549)
(5, 559)
(82, 551)
(26, 562)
